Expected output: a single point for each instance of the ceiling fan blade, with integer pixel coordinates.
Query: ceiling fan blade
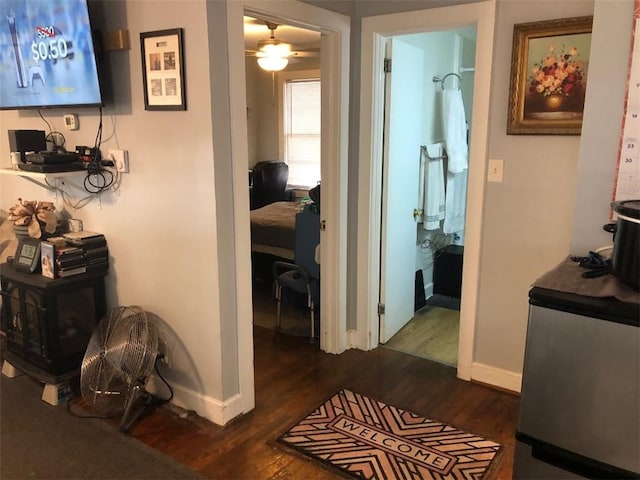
(306, 53)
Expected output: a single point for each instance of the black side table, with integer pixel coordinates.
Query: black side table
(48, 322)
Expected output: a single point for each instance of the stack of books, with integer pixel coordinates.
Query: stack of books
(75, 253)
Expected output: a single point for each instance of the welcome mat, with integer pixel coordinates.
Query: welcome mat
(369, 439)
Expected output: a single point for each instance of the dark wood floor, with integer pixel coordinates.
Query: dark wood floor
(292, 377)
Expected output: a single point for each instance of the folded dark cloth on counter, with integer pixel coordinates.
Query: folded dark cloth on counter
(567, 277)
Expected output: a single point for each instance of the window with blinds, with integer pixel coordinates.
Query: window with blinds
(301, 128)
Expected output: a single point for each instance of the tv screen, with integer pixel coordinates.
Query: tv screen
(47, 56)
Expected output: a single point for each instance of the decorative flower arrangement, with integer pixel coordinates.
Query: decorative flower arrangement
(559, 73)
(35, 215)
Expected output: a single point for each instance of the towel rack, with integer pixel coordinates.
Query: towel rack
(423, 149)
(437, 79)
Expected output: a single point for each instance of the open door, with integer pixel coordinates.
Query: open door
(404, 106)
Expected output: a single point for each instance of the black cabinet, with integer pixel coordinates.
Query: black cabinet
(447, 271)
(48, 322)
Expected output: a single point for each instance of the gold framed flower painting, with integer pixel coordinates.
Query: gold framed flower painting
(549, 65)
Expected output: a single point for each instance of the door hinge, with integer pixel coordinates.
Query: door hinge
(323, 225)
(387, 65)
(381, 309)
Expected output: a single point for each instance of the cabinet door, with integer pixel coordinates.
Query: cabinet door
(24, 312)
(33, 324)
(77, 316)
(13, 318)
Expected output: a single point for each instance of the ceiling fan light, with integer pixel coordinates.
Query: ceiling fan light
(272, 64)
(282, 49)
(275, 48)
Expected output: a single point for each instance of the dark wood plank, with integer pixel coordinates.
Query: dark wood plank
(292, 377)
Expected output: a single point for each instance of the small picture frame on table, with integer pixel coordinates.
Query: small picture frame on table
(163, 70)
(47, 258)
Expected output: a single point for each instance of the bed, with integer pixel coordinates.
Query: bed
(273, 229)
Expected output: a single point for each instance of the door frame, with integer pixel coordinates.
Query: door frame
(335, 44)
(374, 32)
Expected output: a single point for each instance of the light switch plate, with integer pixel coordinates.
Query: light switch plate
(495, 170)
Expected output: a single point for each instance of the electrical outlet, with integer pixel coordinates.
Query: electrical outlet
(120, 159)
(163, 352)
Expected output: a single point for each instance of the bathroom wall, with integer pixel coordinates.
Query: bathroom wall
(443, 54)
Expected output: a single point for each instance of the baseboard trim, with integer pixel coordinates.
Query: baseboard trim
(497, 377)
(354, 340)
(218, 412)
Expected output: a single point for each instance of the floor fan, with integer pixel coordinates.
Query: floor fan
(117, 363)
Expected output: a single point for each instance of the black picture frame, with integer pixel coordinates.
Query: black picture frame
(163, 70)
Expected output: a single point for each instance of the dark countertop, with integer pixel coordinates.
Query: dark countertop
(606, 297)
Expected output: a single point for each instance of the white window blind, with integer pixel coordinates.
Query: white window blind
(302, 131)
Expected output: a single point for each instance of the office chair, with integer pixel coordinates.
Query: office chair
(302, 276)
(269, 183)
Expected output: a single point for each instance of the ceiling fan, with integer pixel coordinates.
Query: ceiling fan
(274, 54)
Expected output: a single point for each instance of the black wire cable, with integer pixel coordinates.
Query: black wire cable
(158, 400)
(51, 135)
(163, 400)
(45, 120)
(57, 145)
(98, 178)
(98, 141)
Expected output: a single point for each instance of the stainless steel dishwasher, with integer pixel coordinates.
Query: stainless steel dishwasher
(580, 401)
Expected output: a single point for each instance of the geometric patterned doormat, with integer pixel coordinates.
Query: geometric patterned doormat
(369, 439)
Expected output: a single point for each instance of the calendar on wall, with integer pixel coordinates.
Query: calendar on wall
(627, 179)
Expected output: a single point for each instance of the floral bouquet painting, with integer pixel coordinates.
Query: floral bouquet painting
(557, 76)
(549, 65)
(556, 83)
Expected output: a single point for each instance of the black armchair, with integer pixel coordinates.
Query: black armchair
(269, 183)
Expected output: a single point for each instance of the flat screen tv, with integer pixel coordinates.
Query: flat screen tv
(47, 55)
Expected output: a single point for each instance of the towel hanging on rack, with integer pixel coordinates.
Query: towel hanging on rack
(456, 203)
(455, 130)
(434, 194)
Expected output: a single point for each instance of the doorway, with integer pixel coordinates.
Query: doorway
(375, 30)
(423, 200)
(334, 47)
(272, 129)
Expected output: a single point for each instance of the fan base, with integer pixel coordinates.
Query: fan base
(136, 405)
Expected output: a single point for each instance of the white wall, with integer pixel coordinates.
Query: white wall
(253, 112)
(262, 107)
(161, 224)
(602, 123)
(439, 60)
(527, 217)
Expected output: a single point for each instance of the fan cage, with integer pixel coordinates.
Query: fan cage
(120, 356)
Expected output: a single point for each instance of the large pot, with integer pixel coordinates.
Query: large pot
(625, 258)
